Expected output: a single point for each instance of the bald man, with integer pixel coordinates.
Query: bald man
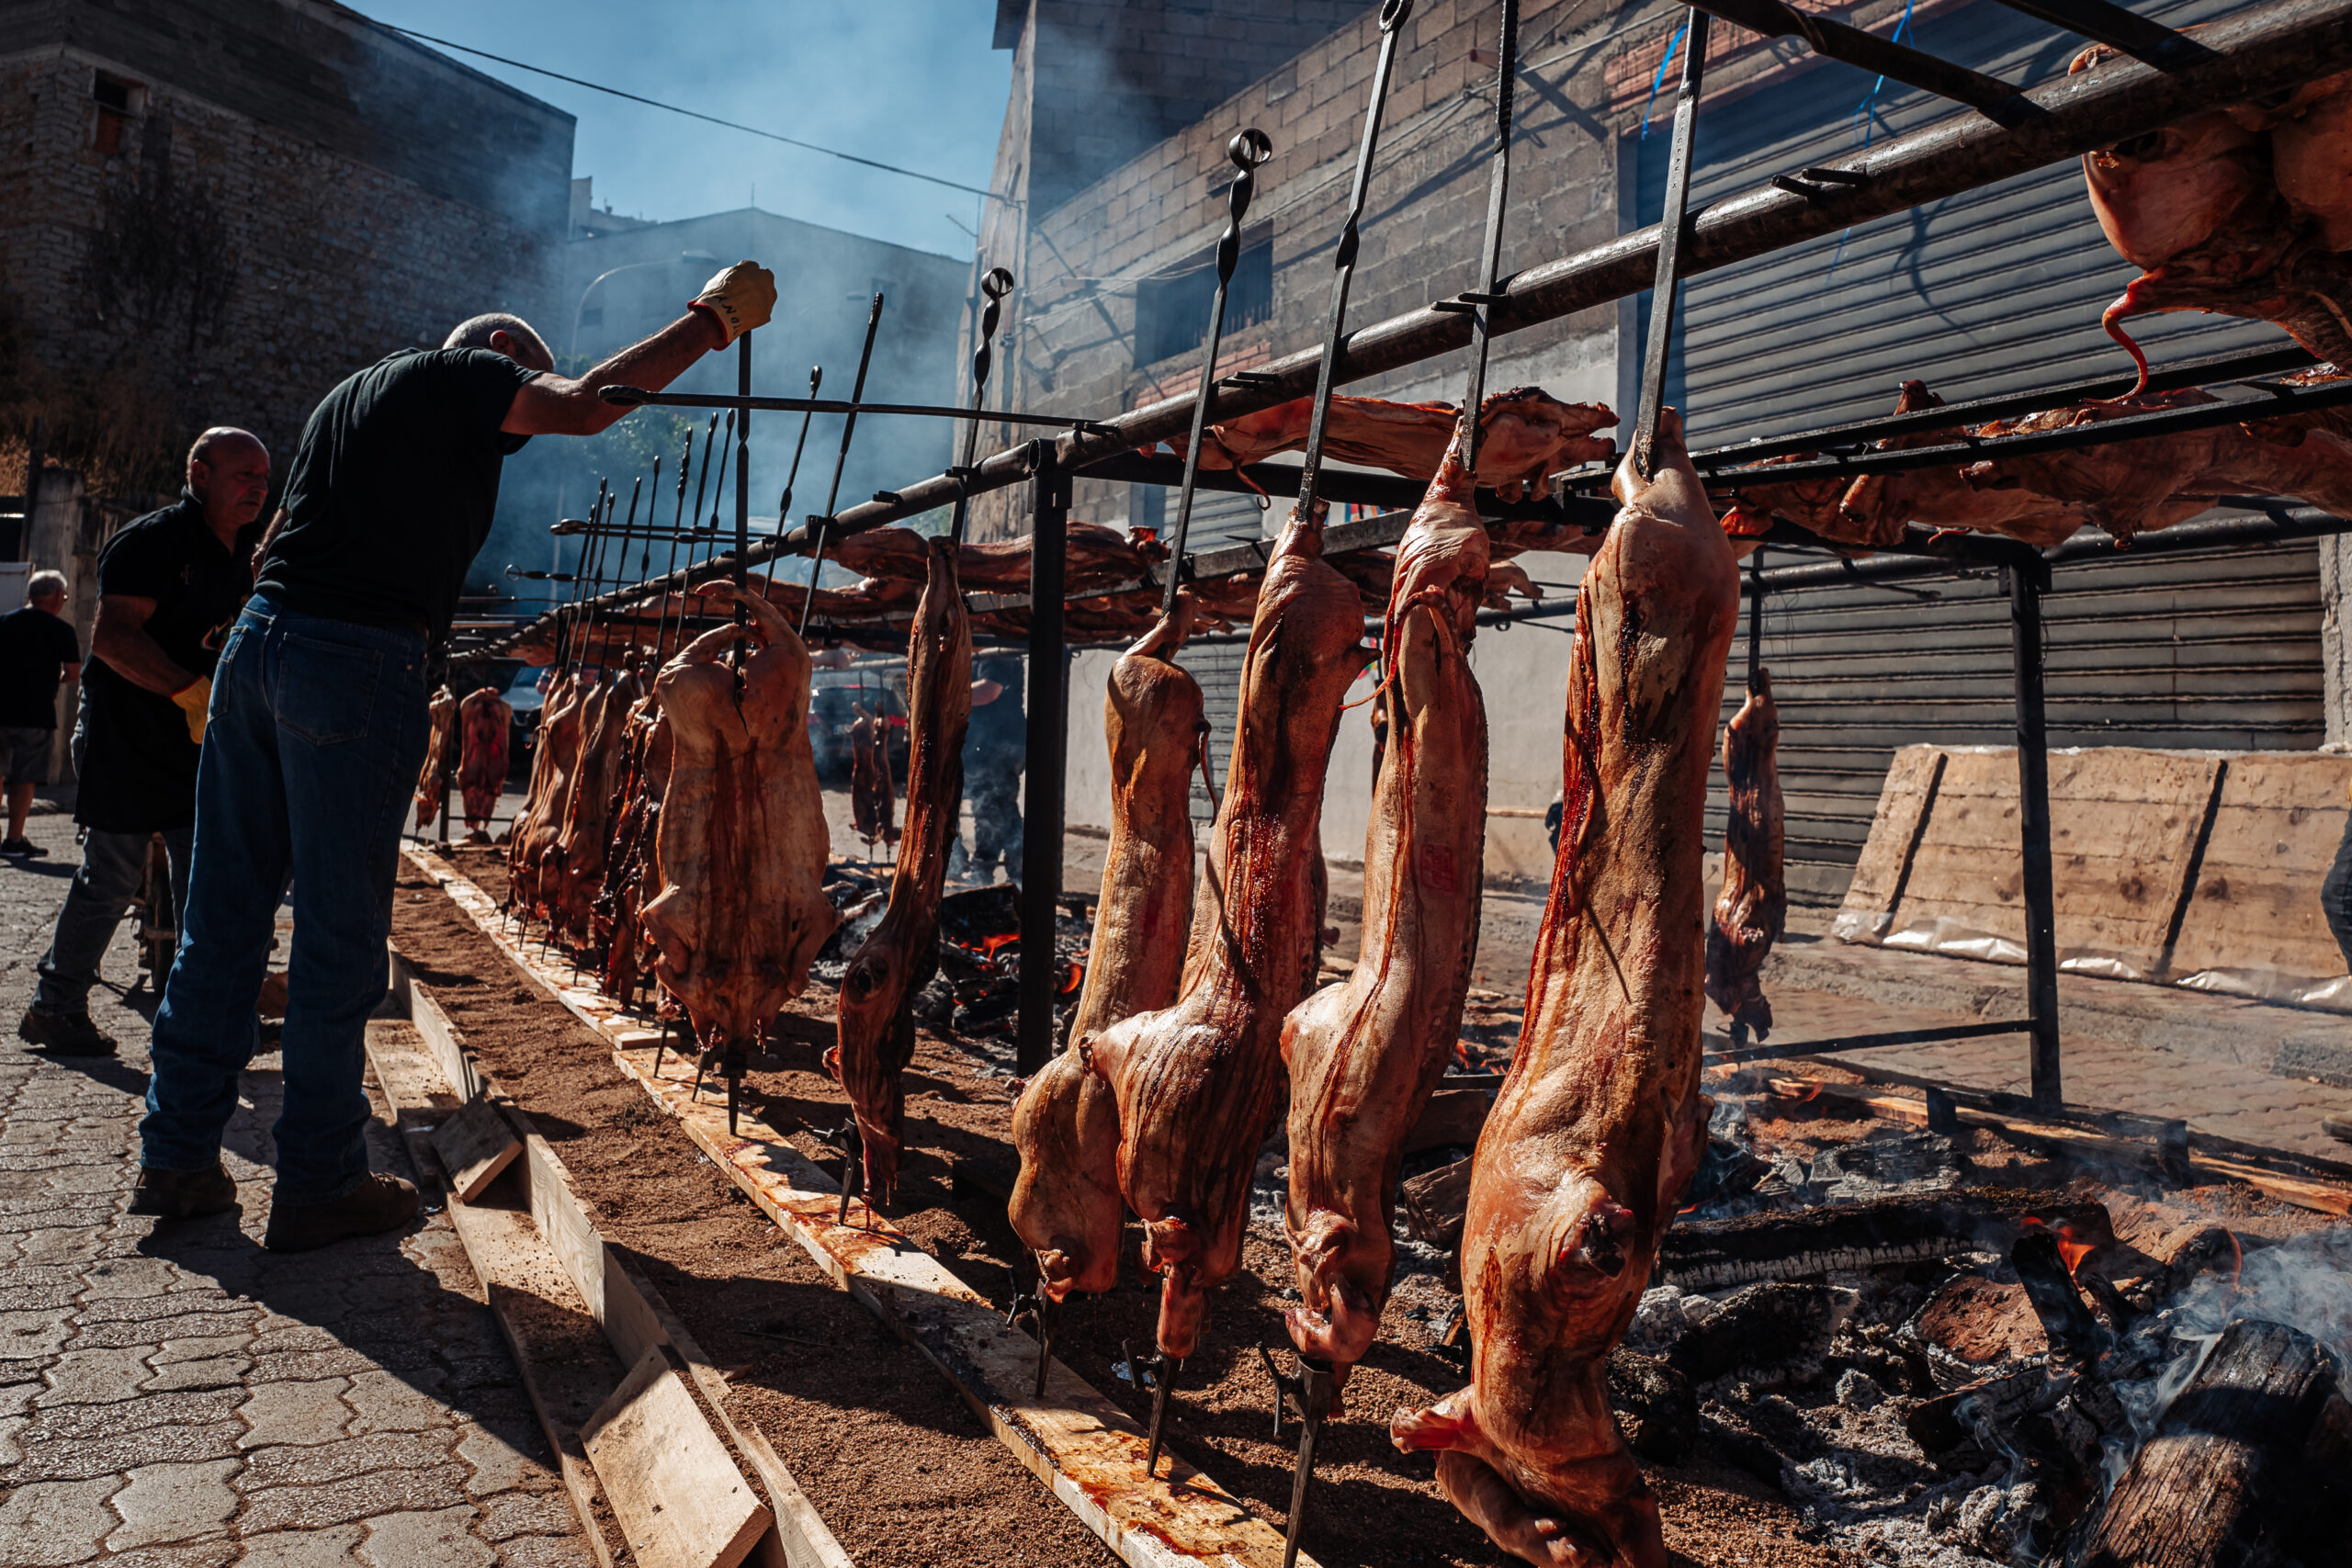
(169, 587)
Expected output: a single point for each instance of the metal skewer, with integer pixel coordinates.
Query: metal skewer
(1393, 13)
(995, 286)
(662, 622)
(1248, 149)
(1160, 1371)
(1673, 230)
(1491, 266)
(840, 460)
(1310, 1393)
(784, 506)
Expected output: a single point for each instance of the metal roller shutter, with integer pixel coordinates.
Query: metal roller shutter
(1996, 292)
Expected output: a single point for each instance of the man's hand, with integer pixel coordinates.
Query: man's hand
(741, 298)
(195, 700)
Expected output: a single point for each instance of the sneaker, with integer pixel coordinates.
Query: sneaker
(21, 848)
(183, 1195)
(379, 1203)
(65, 1034)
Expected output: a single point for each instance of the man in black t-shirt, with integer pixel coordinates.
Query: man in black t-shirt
(317, 731)
(169, 586)
(37, 649)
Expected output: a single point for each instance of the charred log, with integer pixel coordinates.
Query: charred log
(1709, 1255)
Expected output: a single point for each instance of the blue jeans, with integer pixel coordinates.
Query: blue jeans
(311, 750)
(113, 864)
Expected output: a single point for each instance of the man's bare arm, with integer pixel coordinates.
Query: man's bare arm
(120, 637)
(553, 405)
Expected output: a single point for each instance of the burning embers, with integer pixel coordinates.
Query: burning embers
(1944, 1373)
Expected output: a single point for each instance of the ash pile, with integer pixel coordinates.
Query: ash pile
(1939, 1366)
(974, 994)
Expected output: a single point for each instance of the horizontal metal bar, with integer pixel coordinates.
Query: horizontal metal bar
(637, 397)
(2282, 404)
(2101, 21)
(2260, 49)
(1866, 1041)
(1989, 95)
(2211, 370)
(1336, 484)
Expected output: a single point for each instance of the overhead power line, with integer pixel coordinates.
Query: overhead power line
(694, 114)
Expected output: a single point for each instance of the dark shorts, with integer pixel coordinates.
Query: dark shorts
(25, 752)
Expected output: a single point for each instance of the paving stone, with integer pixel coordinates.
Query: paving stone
(165, 1306)
(168, 1503)
(57, 1522)
(81, 1457)
(51, 1296)
(152, 1332)
(10, 1450)
(188, 1554)
(388, 1401)
(515, 1514)
(545, 1551)
(140, 1277)
(312, 1466)
(295, 1413)
(202, 1349)
(503, 1461)
(300, 1548)
(31, 1336)
(439, 1540)
(201, 1372)
(362, 1497)
(95, 1377)
(308, 1365)
(51, 1246)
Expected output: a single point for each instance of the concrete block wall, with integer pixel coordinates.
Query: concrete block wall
(340, 193)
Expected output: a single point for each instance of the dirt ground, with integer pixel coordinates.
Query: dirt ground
(896, 1463)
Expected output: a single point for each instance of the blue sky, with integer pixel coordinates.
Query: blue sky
(907, 82)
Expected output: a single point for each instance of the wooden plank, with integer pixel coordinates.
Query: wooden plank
(521, 1281)
(1886, 863)
(2255, 905)
(625, 1304)
(1086, 1450)
(475, 1145)
(681, 1500)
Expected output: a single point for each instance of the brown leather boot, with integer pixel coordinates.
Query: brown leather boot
(379, 1203)
(183, 1195)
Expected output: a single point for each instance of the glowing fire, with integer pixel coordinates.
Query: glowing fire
(1073, 977)
(2237, 1257)
(2072, 1247)
(992, 945)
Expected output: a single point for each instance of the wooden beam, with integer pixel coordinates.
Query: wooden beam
(1087, 1451)
(475, 1144)
(680, 1499)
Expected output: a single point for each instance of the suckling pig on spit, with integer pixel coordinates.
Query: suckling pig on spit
(485, 719)
(441, 714)
(1364, 1054)
(1196, 1082)
(875, 1022)
(1753, 908)
(742, 836)
(1066, 1204)
(1599, 1122)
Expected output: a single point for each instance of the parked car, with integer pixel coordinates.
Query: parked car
(834, 700)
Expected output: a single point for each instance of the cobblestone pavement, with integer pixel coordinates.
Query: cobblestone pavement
(172, 1396)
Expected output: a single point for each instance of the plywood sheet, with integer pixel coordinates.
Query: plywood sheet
(1903, 804)
(2255, 905)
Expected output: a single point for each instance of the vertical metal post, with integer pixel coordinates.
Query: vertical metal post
(1041, 805)
(742, 487)
(2027, 579)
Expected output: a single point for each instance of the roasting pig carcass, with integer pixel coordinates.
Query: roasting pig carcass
(1067, 1205)
(1365, 1055)
(1526, 436)
(873, 795)
(2311, 154)
(1753, 908)
(743, 840)
(1094, 555)
(441, 714)
(484, 720)
(585, 838)
(876, 1021)
(2198, 207)
(1196, 1082)
(533, 844)
(1599, 1122)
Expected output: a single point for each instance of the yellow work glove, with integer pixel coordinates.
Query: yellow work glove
(741, 298)
(193, 699)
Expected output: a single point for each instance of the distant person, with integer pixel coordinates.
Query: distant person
(317, 732)
(994, 744)
(37, 651)
(170, 586)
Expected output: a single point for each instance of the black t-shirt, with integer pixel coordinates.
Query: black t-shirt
(997, 733)
(138, 769)
(392, 490)
(35, 646)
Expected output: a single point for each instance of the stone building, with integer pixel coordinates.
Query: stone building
(212, 210)
(1992, 292)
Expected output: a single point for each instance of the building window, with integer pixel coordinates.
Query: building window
(1173, 310)
(119, 101)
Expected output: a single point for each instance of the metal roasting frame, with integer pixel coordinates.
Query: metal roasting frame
(2007, 131)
